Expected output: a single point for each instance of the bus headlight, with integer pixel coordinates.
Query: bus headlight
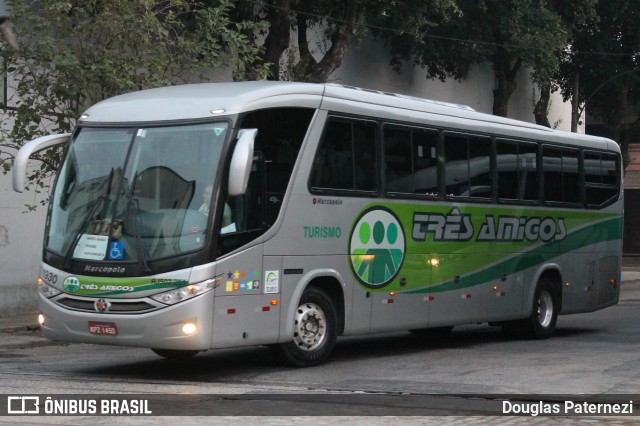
(184, 293)
(47, 290)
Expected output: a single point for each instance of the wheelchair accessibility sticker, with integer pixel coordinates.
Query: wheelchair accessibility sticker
(116, 250)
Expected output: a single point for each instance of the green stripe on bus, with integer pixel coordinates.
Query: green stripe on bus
(607, 230)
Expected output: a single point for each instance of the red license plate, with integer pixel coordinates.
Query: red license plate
(103, 328)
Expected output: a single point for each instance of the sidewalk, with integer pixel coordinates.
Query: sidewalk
(22, 331)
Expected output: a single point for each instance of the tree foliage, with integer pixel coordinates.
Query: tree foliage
(289, 52)
(75, 53)
(574, 14)
(509, 35)
(307, 40)
(603, 60)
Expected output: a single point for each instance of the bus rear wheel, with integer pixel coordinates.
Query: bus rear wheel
(175, 354)
(544, 314)
(314, 333)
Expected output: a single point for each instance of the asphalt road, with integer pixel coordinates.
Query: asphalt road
(394, 374)
(390, 374)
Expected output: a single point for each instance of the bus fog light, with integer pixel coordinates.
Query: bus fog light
(189, 328)
(41, 319)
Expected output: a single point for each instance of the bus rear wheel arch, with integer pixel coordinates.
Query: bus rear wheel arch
(315, 330)
(546, 306)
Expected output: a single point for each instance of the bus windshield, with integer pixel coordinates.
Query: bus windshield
(135, 194)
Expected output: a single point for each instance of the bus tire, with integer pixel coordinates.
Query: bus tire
(175, 354)
(315, 330)
(546, 306)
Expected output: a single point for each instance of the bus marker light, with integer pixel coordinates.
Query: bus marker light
(189, 328)
(41, 319)
(231, 311)
(567, 284)
(392, 293)
(266, 308)
(613, 281)
(496, 287)
(218, 111)
(432, 298)
(39, 281)
(466, 296)
(274, 302)
(434, 262)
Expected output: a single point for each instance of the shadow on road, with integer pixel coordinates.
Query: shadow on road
(246, 363)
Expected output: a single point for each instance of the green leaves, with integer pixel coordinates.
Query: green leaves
(74, 54)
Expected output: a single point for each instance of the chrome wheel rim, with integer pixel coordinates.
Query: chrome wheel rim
(310, 327)
(545, 309)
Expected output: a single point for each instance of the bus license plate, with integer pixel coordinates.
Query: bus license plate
(103, 328)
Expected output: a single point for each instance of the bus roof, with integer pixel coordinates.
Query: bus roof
(206, 100)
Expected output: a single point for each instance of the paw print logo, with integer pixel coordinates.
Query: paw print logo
(377, 247)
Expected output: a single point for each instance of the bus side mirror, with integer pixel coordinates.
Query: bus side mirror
(241, 162)
(19, 170)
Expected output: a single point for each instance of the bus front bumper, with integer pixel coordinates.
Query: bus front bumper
(165, 328)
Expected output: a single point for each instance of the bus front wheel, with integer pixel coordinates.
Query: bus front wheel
(314, 333)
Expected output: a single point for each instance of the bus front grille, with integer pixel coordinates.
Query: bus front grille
(115, 306)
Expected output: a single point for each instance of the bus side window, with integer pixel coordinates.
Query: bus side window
(467, 166)
(281, 132)
(516, 164)
(601, 178)
(346, 158)
(561, 178)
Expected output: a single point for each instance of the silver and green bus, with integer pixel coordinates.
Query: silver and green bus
(208, 216)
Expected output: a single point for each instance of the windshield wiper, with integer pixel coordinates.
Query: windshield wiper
(98, 202)
(132, 213)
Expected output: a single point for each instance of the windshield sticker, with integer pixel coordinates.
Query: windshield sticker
(219, 130)
(91, 247)
(116, 250)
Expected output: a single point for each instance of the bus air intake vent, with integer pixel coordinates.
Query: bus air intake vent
(116, 306)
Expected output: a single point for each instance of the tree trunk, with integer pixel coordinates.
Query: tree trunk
(505, 75)
(309, 69)
(615, 122)
(575, 104)
(542, 106)
(279, 36)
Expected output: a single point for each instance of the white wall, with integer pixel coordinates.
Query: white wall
(368, 66)
(20, 248)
